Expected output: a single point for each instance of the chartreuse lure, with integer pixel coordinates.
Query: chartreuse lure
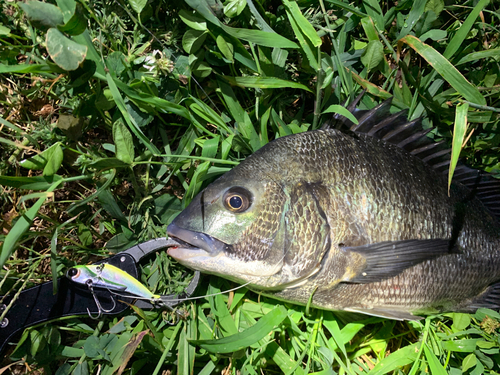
(112, 278)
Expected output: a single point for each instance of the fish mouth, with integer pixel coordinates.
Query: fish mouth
(202, 252)
(194, 244)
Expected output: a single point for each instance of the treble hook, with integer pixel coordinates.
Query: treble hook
(100, 309)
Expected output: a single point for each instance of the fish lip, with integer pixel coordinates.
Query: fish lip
(198, 240)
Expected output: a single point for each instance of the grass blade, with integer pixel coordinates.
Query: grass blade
(259, 37)
(168, 347)
(369, 28)
(248, 337)
(348, 7)
(434, 365)
(209, 115)
(245, 125)
(30, 183)
(373, 9)
(370, 87)
(304, 25)
(26, 68)
(446, 70)
(402, 357)
(22, 225)
(264, 83)
(457, 41)
(183, 352)
(306, 44)
(331, 324)
(90, 198)
(262, 23)
(85, 40)
(415, 13)
(120, 103)
(158, 103)
(336, 108)
(494, 52)
(458, 138)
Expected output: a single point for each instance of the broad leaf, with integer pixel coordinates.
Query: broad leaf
(65, 52)
(49, 160)
(373, 55)
(42, 15)
(138, 5)
(193, 40)
(192, 20)
(76, 24)
(124, 142)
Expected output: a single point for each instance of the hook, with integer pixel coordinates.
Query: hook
(100, 309)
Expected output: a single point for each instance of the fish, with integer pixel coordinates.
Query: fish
(351, 217)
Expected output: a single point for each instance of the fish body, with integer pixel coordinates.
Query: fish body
(349, 221)
(112, 278)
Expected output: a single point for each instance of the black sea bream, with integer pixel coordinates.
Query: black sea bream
(358, 220)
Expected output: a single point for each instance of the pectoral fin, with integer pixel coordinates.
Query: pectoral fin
(384, 260)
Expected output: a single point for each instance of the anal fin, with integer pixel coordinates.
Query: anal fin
(387, 313)
(489, 299)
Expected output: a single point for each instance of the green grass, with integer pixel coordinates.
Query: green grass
(149, 102)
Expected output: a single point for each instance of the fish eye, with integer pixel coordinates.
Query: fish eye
(235, 202)
(73, 272)
(237, 199)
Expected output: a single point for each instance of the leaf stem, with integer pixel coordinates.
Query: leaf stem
(483, 107)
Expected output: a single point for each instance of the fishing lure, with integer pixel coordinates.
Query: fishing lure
(112, 278)
(39, 304)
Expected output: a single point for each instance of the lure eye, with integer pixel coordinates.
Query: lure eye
(237, 199)
(73, 272)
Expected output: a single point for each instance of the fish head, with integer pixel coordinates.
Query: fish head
(240, 226)
(231, 229)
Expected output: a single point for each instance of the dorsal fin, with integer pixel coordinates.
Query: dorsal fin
(412, 137)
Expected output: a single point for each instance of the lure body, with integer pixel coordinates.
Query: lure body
(112, 278)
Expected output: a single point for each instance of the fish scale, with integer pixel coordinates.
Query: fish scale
(351, 221)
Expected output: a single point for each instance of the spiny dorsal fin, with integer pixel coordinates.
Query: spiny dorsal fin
(411, 136)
